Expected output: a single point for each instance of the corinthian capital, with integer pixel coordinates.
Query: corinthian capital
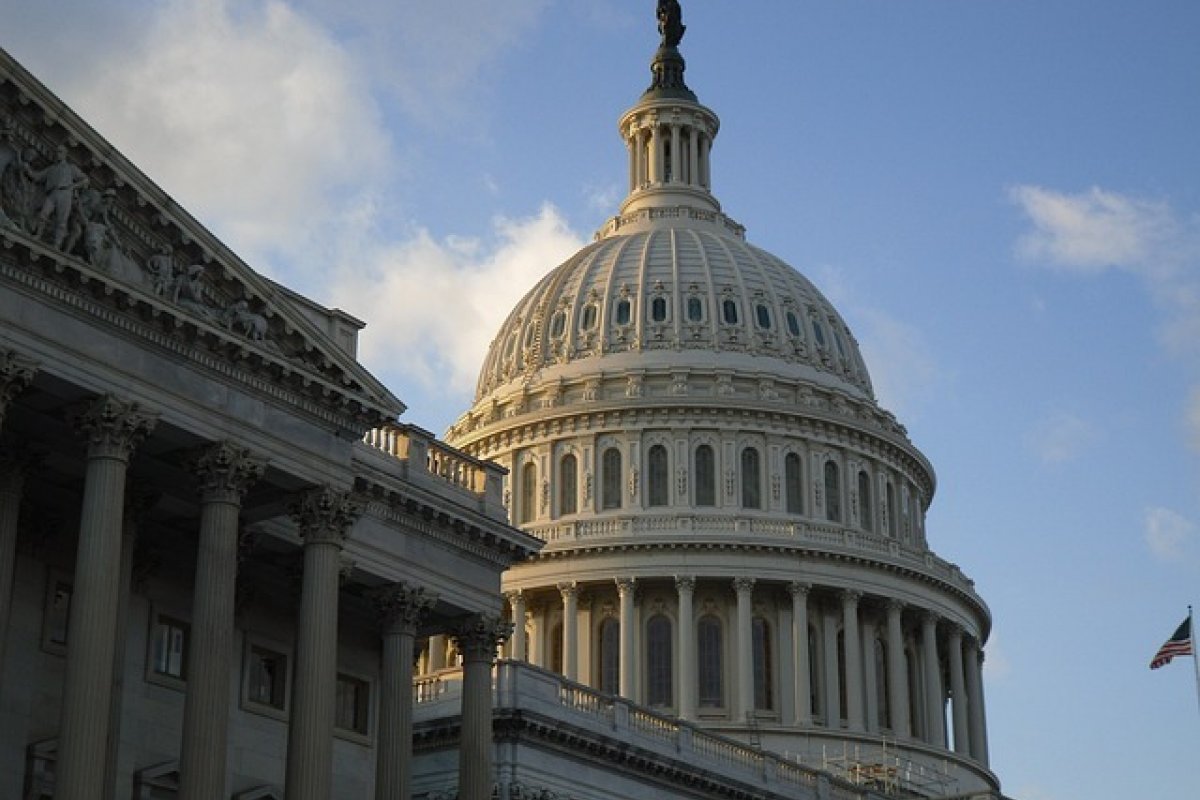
(402, 606)
(113, 427)
(325, 515)
(478, 637)
(226, 471)
(16, 373)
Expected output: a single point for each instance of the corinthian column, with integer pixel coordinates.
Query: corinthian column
(324, 518)
(686, 586)
(570, 642)
(113, 429)
(897, 674)
(15, 375)
(934, 695)
(958, 692)
(477, 639)
(853, 644)
(744, 588)
(625, 589)
(225, 471)
(401, 608)
(978, 717)
(803, 711)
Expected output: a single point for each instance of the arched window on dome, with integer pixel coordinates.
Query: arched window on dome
(793, 324)
(622, 314)
(608, 639)
(658, 309)
(556, 648)
(695, 309)
(818, 333)
(893, 524)
(558, 324)
(568, 484)
(528, 506)
(883, 690)
(708, 662)
(762, 316)
(751, 479)
(706, 476)
(793, 484)
(588, 320)
(763, 676)
(864, 501)
(610, 479)
(833, 493)
(658, 661)
(729, 312)
(659, 476)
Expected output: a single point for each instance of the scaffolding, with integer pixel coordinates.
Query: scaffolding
(885, 769)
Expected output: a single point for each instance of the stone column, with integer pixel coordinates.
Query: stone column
(958, 692)
(225, 471)
(570, 642)
(978, 717)
(324, 517)
(113, 429)
(870, 677)
(803, 675)
(654, 155)
(744, 646)
(517, 643)
(693, 157)
(897, 674)
(477, 640)
(685, 585)
(934, 696)
(833, 686)
(676, 161)
(16, 373)
(401, 608)
(625, 589)
(853, 646)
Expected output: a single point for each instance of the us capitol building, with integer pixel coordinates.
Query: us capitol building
(228, 571)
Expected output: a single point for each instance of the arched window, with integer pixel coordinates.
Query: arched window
(793, 324)
(556, 648)
(763, 316)
(658, 661)
(706, 476)
(695, 309)
(751, 480)
(729, 312)
(658, 475)
(658, 309)
(864, 500)
(893, 524)
(622, 313)
(793, 486)
(763, 677)
(882, 689)
(558, 324)
(610, 479)
(568, 484)
(528, 492)
(818, 333)
(609, 637)
(708, 661)
(833, 493)
(588, 320)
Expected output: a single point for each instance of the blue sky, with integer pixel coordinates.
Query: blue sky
(1001, 196)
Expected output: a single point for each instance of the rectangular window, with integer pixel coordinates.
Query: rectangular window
(266, 677)
(352, 704)
(168, 647)
(57, 614)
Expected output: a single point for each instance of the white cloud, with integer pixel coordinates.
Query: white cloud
(996, 664)
(1060, 437)
(1170, 536)
(434, 306)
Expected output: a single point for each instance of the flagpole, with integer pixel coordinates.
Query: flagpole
(1195, 653)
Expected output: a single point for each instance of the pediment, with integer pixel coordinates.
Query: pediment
(80, 222)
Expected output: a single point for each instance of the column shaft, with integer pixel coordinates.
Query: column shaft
(570, 643)
(625, 589)
(958, 692)
(744, 709)
(477, 642)
(897, 674)
(853, 646)
(870, 678)
(11, 490)
(401, 608)
(934, 695)
(517, 645)
(803, 710)
(686, 586)
(693, 176)
(978, 720)
(833, 689)
(676, 161)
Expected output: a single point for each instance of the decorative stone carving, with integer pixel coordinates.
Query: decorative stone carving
(402, 606)
(681, 481)
(16, 373)
(634, 482)
(743, 584)
(478, 637)
(325, 515)
(685, 583)
(799, 588)
(59, 182)
(226, 471)
(114, 427)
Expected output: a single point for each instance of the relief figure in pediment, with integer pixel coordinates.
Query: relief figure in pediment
(60, 181)
(162, 271)
(12, 173)
(190, 292)
(240, 319)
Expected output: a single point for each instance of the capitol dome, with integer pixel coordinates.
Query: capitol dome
(734, 528)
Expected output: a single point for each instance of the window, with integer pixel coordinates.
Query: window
(266, 677)
(169, 647)
(622, 313)
(610, 655)
(793, 486)
(833, 493)
(837, 339)
(588, 321)
(57, 615)
(864, 500)
(695, 309)
(729, 312)
(658, 661)
(818, 333)
(558, 324)
(751, 494)
(708, 658)
(352, 706)
(763, 678)
(763, 316)
(528, 493)
(706, 476)
(658, 309)
(659, 476)
(793, 324)
(610, 479)
(568, 480)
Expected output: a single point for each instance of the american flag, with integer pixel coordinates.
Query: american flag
(1180, 644)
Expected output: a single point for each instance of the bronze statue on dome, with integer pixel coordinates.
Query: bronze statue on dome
(670, 22)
